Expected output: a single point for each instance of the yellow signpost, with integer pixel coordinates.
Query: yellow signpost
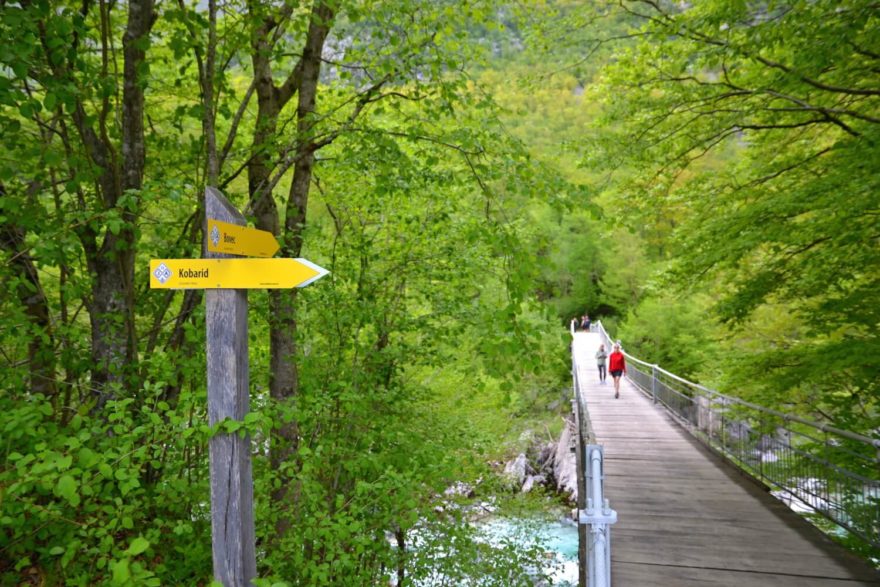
(233, 273)
(232, 239)
(233, 542)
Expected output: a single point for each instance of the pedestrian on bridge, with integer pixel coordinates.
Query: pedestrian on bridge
(601, 355)
(617, 367)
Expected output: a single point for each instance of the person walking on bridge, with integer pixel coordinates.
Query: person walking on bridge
(601, 355)
(617, 367)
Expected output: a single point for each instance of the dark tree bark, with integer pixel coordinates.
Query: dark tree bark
(269, 106)
(207, 79)
(41, 352)
(271, 100)
(114, 343)
(400, 535)
(120, 170)
(284, 380)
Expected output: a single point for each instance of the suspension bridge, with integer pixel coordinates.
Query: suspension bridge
(698, 488)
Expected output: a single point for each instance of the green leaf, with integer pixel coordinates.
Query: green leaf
(64, 462)
(121, 572)
(138, 545)
(50, 101)
(87, 458)
(67, 488)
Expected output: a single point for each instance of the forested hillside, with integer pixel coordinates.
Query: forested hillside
(742, 143)
(701, 178)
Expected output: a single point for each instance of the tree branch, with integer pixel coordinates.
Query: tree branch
(233, 129)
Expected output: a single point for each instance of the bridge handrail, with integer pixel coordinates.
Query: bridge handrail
(875, 442)
(594, 510)
(795, 461)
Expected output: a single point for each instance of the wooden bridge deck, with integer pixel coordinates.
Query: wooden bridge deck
(687, 518)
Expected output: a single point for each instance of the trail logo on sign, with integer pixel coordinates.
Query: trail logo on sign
(215, 236)
(162, 273)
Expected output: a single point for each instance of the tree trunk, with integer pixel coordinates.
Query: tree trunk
(111, 265)
(212, 163)
(112, 305)
(284, 380)
(400, 535)
(262, 204)
(41, 352)
(303, 80)
(111, 313)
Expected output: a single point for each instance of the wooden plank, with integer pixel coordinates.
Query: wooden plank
(687, 518)
(232, 487)
(631, 573)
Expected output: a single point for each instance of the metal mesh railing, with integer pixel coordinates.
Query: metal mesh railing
(815, 468)
(595, 516)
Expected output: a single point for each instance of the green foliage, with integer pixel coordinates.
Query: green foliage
(749, 147)
(416, 350)
(672, 333)
(78, 507)
(464, 208)
(414, 358)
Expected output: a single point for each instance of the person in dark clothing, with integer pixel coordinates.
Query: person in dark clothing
(601, 355)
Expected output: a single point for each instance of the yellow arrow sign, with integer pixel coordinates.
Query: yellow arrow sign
(233, 273)
(232, 239)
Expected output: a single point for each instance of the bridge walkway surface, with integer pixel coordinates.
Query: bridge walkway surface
(686, 517)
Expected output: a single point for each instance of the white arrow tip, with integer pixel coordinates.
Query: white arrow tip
(321, 272)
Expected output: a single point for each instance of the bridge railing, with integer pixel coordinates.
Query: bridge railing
(813, 467)
(595, 515)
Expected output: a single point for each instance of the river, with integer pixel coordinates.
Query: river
(558, 539)
(546, 545)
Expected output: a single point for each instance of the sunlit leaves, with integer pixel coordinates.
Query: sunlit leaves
(753, 128)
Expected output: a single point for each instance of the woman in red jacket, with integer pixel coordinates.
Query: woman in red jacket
(617, 367)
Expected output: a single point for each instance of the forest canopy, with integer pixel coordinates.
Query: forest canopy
(701, 177)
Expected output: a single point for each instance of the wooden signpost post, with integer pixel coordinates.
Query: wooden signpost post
(232, 486)
(226, 281)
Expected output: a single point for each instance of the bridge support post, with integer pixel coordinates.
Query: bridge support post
(579, 448)
(583, 536)
(600, 517)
